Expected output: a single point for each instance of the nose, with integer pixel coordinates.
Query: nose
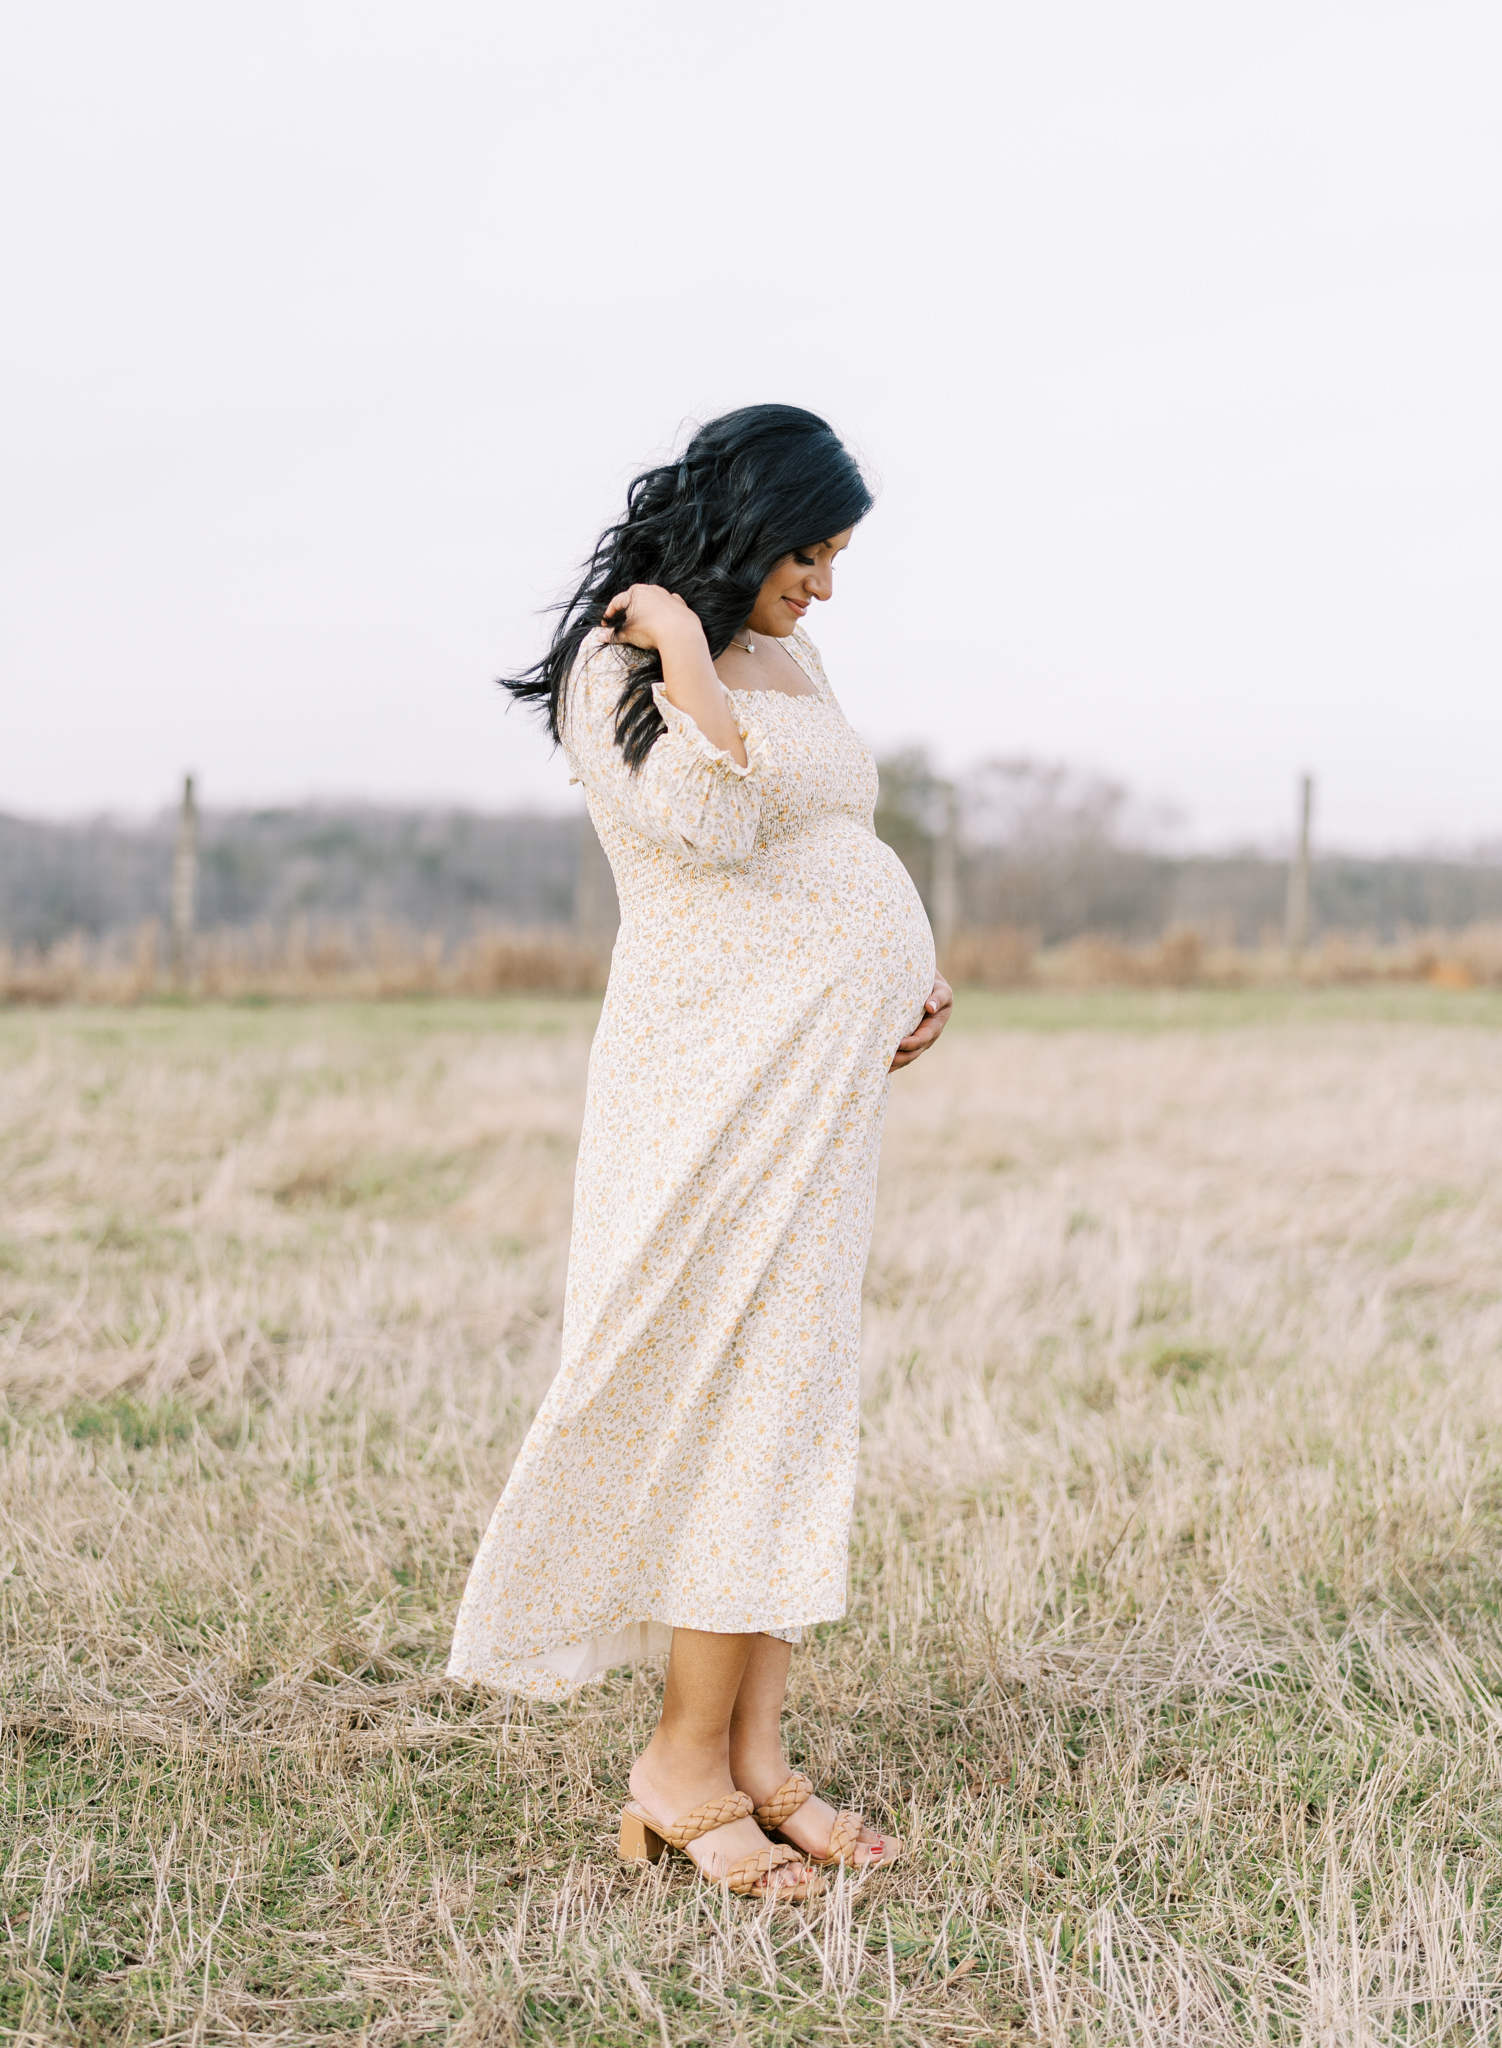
(821, 583)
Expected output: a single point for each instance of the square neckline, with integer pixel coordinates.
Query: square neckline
(794, 642)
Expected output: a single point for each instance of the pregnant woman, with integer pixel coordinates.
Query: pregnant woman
(688, 1482)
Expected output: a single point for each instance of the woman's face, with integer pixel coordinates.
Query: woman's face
(793, 585)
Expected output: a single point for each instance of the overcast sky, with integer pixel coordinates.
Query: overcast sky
(1171, 333)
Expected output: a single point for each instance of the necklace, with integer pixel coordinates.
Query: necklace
(748, 648)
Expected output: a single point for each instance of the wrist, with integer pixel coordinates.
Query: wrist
(685, 636)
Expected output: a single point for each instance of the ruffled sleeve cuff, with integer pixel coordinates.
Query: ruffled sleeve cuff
(682, 728)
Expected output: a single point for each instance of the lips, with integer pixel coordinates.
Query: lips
(800, 606)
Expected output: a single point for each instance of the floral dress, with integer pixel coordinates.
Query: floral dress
(693, 1462)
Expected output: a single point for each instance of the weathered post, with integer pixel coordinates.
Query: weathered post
(947, 871)
(1296, 918)
(184, 887)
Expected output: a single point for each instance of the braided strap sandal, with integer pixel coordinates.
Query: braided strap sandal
(644, 1839)
(844, 1837)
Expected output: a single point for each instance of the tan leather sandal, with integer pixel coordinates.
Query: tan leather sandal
(844, 1837)
(644, 1839)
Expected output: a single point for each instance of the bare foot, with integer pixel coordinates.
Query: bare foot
(812, 1826)
(667, 1791)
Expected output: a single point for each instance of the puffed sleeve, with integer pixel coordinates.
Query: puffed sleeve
(687, 794)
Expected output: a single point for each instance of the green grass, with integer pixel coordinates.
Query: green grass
(1211, 1009)
(209, 1031)
(213, 1031)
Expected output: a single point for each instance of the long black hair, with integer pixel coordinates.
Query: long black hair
(756, 485)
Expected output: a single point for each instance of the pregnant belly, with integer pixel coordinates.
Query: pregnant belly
(820, 928)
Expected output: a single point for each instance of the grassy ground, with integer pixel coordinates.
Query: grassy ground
(1173, 1645)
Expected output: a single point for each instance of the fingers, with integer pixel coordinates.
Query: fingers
(923, 1034)
(908, 1049)
(936, 1015)
(642, 614)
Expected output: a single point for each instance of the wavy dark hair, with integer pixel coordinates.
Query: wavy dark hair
(756, 485)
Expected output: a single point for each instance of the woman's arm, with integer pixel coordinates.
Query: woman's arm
(688, 794)
(646, 615)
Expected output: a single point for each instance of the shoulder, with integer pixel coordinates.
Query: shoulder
(808, 650)
(596, 679)
(808, 655)
(600, 658)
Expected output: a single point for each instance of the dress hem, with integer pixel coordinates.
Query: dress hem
(562, 1668)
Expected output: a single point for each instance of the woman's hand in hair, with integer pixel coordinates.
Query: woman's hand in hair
(937, 1012)
(646, 615)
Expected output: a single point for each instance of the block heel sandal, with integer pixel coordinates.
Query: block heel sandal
(644, 1839)
(844, 1837)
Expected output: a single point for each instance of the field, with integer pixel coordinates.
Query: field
(1173, 1645)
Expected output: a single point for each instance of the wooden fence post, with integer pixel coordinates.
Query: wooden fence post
(1296, 917)
(184, 887)
(947, 872)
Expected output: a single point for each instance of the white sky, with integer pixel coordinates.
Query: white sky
(1172, 333)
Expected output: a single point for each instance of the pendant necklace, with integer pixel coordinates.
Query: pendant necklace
(749, 646)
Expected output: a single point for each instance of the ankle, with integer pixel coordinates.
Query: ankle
(758, 1765)
(676, 1754)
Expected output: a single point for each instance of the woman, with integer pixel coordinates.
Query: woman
(688, 1482)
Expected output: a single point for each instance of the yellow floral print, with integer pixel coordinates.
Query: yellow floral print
(693, 1462)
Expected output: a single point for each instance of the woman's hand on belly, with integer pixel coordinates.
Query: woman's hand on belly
(937, 1012)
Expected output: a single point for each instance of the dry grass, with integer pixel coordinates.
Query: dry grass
(1004, 957)
(308, 960)
(1182, 958)
(328, 959)
(1173, 1647)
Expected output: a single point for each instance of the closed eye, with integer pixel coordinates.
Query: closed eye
(804, 561)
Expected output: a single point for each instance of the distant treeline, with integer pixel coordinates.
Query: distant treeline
(1041, 848)
(434, 870)
(1015, 844)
